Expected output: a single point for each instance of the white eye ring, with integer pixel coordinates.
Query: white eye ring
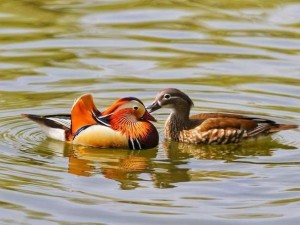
(135, 107)
(167, 96)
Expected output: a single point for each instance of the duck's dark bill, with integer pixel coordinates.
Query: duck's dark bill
(155, 106)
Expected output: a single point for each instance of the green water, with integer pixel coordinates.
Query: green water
(233, 56)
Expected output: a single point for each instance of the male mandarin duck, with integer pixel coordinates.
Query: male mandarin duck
(125, 124)
(209, 128)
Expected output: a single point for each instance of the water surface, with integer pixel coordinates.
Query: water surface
(240, 56)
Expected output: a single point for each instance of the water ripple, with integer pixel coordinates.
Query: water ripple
(20, 134)
(241, 57)
(131, 16)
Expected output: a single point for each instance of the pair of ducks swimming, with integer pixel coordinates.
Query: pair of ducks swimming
(126, 123)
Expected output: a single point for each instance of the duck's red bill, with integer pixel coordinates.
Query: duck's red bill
(148, 116)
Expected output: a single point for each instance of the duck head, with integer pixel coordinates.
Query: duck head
(129, 108)
(171, 98)
(130, 117)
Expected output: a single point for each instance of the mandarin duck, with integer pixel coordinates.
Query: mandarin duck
(125, 124)
(209, 128)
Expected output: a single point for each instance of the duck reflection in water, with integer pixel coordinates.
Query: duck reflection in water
(228, 153)
(164, 166)
(124, 166)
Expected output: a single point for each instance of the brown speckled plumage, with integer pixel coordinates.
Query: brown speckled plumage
(209, 128)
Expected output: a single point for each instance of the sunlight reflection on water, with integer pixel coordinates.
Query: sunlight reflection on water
(240, 57)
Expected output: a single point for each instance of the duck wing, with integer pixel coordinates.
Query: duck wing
(64, 126)
(55, 126)
(252, 126)
(60, 121)
(83, 113)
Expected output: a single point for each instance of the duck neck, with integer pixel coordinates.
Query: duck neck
(179, 120)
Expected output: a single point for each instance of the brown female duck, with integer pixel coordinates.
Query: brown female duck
(209, 128)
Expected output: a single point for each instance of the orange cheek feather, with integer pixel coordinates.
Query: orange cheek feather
(137, 129)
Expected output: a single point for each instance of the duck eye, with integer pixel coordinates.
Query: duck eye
(135, 107)
(167, 96)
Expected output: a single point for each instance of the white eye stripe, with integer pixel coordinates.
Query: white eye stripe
(131, 104)
(136, 102)
(171, 97)
(167, 96)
